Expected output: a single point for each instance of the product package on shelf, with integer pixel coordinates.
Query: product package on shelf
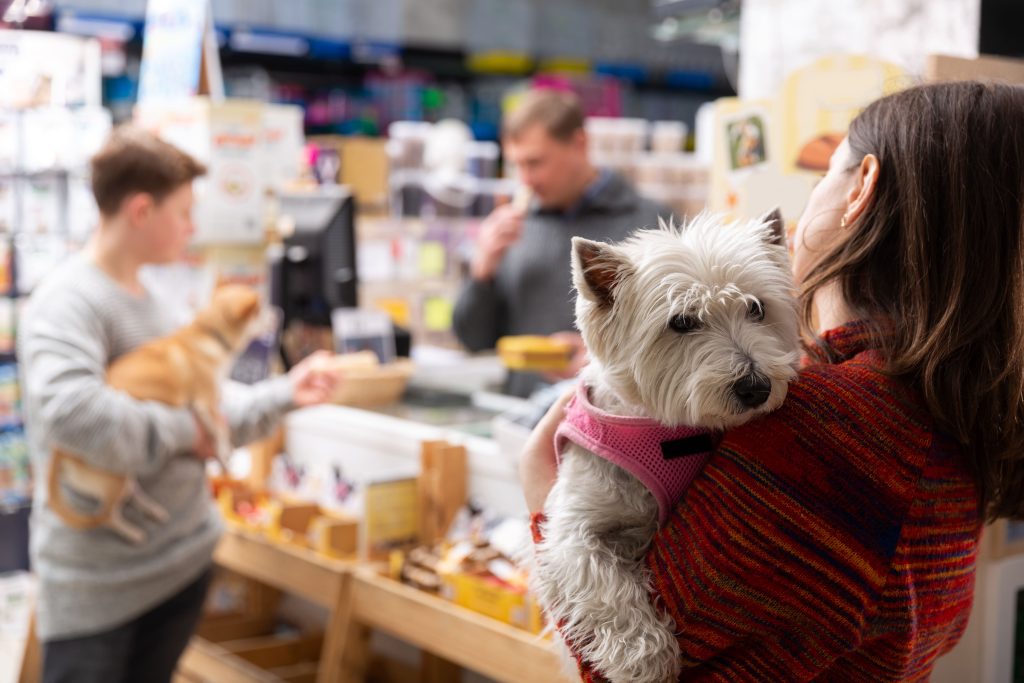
(474, 567)
(245, 162)
(58, 138)
(411, 269)
(15, 467)
(649, 154)
(42, 68)
(384, 504)
(362, 165)
(287, 520)
(17, 591)
(465, 553)
(440, 171)
(676, 179)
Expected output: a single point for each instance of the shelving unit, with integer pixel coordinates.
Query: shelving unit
(465, 75)
(229, 648)
(29, 229)
(50, 123)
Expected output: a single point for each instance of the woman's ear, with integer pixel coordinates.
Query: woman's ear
(859, 198)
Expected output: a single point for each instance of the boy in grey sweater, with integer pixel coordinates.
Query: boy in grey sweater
(109, 610)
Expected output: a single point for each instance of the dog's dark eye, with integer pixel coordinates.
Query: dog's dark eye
(684, 323)
(756, 311)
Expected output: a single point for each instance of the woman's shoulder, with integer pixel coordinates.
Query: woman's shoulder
(849, 419)
(856, 389)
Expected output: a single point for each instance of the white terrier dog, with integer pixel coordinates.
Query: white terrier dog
(687, 328)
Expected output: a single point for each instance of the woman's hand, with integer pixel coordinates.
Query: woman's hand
(537, 467)
(313, 380)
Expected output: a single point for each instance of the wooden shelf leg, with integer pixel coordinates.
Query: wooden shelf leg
(434, 669)
(346, 651)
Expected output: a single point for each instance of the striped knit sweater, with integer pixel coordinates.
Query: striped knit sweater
(76, 322)
(835, 539)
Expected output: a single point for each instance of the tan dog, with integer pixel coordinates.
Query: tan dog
(182, 370)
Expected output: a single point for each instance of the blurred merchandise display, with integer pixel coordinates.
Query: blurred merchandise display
(356, 66)
(51, 123)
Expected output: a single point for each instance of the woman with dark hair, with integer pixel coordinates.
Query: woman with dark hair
(836, 538)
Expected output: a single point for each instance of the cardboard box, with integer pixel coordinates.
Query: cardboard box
(391, 516)
(495, 599)
(948, 68)
(334, 537)
(250, 148)
(364, 168)
(283, 144)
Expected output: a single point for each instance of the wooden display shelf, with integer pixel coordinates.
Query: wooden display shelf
(207, 661)
(459, 635)
(261, 659)
(291, 569)
(360, 600)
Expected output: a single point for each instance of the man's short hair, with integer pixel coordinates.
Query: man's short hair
(559, 112)
(133, 161)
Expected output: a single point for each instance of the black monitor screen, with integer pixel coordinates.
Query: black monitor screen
(315, 271)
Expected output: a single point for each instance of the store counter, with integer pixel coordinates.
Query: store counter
(333, 450)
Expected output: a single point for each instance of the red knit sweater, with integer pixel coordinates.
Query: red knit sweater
(834, 539)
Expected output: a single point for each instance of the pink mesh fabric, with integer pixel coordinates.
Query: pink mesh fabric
(635, 444)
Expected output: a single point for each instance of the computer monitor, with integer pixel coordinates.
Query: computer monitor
(314, 270)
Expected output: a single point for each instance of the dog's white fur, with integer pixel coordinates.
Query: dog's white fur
(589, 572)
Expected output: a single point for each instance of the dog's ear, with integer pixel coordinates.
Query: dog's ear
(243, 304)
(773, 219)
(597, 269)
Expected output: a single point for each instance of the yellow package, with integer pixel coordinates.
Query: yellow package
(490, 597)
(534, 353)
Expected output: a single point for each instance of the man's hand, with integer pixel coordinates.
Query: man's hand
(579, 356)
(314, 380)
(498, 232)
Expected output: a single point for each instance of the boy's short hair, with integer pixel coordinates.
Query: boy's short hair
(559, 112)
(133, 161)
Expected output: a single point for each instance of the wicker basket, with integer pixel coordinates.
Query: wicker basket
(373, 385)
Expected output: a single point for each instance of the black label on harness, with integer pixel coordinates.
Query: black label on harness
(691, 445)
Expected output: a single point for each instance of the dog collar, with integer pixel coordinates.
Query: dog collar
(206, 329)
(664, 459)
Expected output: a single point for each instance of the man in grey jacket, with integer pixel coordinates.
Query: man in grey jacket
(520, 280)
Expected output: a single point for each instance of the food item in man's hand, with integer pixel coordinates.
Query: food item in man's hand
(535, 353)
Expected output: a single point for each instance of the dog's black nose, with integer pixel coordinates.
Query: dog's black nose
(752, 390)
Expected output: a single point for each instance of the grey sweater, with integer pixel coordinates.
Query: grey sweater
(74, 325)
(532, 290)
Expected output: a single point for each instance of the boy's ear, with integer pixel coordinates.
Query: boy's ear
(137, 207)
(597, 270)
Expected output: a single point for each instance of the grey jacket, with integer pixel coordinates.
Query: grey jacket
(532, 290)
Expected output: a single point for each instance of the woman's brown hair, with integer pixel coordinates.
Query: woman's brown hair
(936, 264)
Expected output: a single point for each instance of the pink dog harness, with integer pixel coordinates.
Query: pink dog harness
(664, 459)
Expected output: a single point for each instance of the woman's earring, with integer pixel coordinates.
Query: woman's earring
(842, 222)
